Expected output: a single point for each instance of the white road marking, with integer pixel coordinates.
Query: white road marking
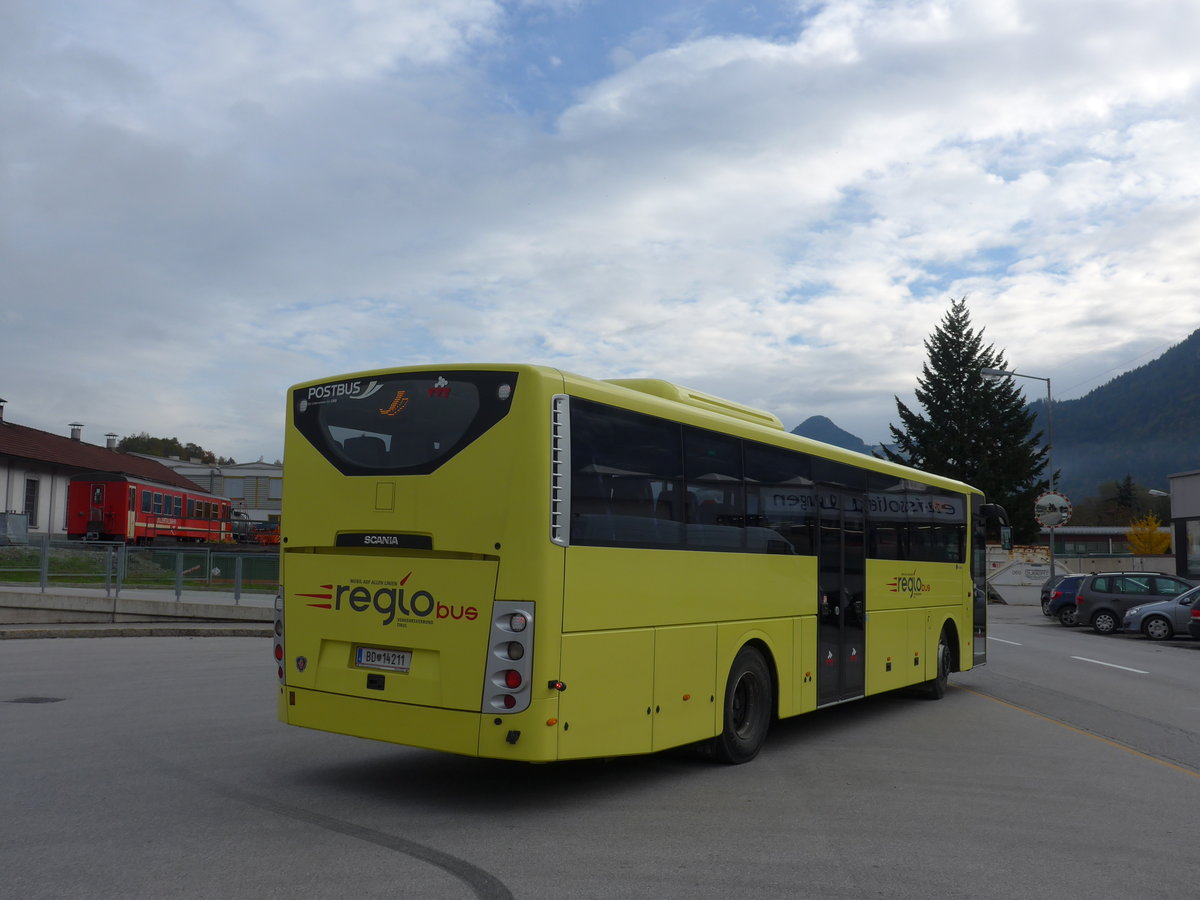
(1110, 665)
(1003, 641)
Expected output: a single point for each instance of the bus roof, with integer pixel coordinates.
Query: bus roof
(669, 400)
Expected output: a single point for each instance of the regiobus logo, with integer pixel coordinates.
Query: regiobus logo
(909, 584)
(390, 599)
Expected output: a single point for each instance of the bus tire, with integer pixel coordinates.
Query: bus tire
(935, 687)
(749, 702)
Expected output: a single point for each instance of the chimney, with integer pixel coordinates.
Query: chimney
(2, 402)
(76, 431)
(110, 440)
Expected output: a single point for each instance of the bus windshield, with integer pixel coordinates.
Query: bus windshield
(403, 424)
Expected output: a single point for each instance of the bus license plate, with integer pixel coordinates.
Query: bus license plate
(376, 658)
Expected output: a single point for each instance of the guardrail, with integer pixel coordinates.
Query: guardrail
(114, 567)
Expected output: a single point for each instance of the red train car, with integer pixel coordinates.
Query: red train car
(113, 507)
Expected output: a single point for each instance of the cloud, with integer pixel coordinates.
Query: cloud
(202, 204)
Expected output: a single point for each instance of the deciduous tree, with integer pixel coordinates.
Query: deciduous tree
(1144, 536)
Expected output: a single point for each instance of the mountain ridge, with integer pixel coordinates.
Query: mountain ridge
(1144, 423)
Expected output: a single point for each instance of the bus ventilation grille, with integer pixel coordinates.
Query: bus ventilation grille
(560, 468)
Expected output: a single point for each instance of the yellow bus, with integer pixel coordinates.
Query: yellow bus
(520, 563)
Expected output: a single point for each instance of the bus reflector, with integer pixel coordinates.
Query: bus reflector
(279, 653)
(508, 701)
(512, 679)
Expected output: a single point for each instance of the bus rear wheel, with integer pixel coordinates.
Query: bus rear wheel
(748, 708)
(935, 688)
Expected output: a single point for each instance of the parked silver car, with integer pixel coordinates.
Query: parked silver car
(1164, 619)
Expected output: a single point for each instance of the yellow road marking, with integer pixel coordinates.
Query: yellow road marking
(1029, 712)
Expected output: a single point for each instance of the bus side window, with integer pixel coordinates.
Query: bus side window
(716, 508)
(623, 465)
(887, 541)
(779, 499)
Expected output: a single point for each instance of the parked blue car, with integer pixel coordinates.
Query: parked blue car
(1062, 599)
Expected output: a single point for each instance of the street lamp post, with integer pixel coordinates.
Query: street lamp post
(996, 375)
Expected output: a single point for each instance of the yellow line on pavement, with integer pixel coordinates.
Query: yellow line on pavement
(1162, 762)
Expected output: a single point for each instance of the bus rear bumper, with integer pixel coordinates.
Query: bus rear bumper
(523, 737)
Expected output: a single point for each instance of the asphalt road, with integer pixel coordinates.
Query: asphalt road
(157, 769)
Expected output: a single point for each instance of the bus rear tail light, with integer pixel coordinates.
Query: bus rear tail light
(510, 658)
(279, 652)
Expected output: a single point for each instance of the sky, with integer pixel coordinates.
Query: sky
(203, 202)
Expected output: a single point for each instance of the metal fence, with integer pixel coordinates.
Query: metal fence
(114, 567)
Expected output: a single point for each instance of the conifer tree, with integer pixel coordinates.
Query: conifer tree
(973, 429)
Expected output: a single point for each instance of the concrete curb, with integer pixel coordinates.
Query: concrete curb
(133, 629)
(91, 607)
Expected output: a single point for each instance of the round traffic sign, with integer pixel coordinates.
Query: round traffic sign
(1052, 509)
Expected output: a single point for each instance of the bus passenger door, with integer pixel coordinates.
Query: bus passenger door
(841, 600)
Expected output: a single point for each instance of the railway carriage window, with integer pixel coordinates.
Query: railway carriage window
(779, 496)
(157, 508)
(626, 479)
(178, 506)
(133, 499)
(191, 508)
(146, 498)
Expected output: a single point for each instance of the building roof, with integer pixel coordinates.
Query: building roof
(26, 443)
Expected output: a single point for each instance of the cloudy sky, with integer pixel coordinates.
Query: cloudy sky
(205, 201)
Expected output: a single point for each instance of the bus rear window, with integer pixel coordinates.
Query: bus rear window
(402, 424)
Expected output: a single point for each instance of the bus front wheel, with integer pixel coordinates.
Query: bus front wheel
(748, 705)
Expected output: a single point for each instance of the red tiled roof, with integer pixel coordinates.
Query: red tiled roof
(52, 449)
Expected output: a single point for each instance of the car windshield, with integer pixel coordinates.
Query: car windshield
(1188, 597)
